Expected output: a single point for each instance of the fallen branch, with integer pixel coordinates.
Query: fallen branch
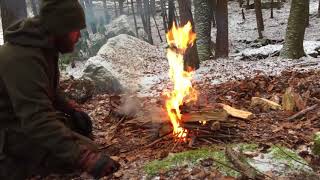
(246, 170)
(302, 113)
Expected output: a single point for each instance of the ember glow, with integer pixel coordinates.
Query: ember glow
(179, 39)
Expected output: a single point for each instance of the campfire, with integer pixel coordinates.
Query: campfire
(189, 119)
(179, 39)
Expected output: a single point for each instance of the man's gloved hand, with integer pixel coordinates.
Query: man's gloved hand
(97, 164)
(82, 122)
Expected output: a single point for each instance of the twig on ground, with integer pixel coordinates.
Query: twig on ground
(302, 112)
(158, 140)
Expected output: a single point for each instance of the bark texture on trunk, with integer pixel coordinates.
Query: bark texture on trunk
(164, 15)
(222, 39)
(171, 14)
(146, 8)
(308, 14)
(259, 17)
(319, 9)
(271, 9)
(191, 59)
(134, 18)
(106, 14)
(293, 46)
(121, 2)
(203, 18)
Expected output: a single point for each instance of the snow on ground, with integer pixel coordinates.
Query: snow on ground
(310, 47)
(149, 75)
(275, 28)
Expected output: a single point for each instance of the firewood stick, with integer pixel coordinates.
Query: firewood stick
(302, 113)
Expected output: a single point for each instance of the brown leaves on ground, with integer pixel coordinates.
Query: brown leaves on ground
(128, 143)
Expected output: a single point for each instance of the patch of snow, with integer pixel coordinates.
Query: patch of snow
(311, 47)
(269, 163)
(264, 50)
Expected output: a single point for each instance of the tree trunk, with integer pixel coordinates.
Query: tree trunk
(153, 7)
(271, 9)
(141, 12)
(115, 7)
(214, 8)
(106, 14)
(203, 18)
(164, 15)
(34, 7)
(172, 16)
(134, 18)
(191, 58)
(121, 6)
(147, 19)
(11, 12)
(319, 9)
(308, 14)
(248, 4)
(293, 46)
(240, 3)
(243, 15)
(90, 16)
(259, 18)
(222, 39)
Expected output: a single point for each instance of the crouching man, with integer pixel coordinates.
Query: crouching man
(40, 132)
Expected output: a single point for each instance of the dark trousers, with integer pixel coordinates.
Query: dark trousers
(21, 159)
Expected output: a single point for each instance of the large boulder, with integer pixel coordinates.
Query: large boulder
(118, 26)
(131, 59)
(102, 79)
(136, 64)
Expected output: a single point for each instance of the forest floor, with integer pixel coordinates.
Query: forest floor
(131, 144)
(130, 140)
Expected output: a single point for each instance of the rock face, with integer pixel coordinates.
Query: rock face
(102, 79)
(119, 26)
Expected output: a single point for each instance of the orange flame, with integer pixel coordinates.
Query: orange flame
(179, 39)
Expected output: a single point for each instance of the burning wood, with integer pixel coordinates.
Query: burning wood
(179, 39)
